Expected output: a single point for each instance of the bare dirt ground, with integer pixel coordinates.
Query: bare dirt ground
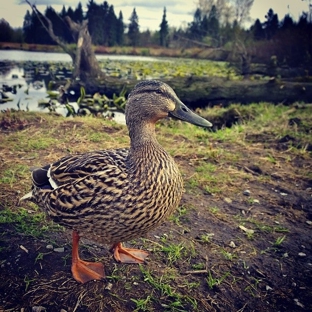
(240, 240)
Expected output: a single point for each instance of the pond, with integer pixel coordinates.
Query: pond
(22, 88)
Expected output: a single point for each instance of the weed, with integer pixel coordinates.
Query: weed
(180, 211)
(199, 266)
(228, 255)
(173, 251)
(212, 282)
(214, 210)
(142, 304)
(27, 282)
(279, 240)
(206, 238)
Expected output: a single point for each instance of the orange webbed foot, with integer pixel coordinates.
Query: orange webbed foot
(128, 255)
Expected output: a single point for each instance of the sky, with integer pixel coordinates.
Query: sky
(179, 12)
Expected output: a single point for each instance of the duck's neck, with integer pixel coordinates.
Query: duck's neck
(142, 135)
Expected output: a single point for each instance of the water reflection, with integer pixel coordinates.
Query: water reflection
(26, 76)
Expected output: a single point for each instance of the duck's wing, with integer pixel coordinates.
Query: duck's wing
(72, 203)
(70, 168)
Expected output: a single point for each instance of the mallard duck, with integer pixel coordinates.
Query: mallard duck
(112, 196)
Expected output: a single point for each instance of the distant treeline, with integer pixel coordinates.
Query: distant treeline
(277, 41)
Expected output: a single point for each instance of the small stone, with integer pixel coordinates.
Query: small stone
(298, 303)
(49, 247)
(256, 201)
(228, 200)
(268, 288)
(284, 194)
(59, 249)
(249, 231)
(285, 255)
(63, 310)
(232, 244)
(309, 222)
(301, 254)
(109, 286)
(135, 283)
(246, 193)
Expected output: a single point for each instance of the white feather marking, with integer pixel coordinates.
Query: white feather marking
(51, 181)
(27, 196)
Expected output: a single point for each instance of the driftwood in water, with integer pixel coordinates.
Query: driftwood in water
(86, 65)
(204, 91)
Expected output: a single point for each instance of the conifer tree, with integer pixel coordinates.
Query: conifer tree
(133, 30)
(164, 31)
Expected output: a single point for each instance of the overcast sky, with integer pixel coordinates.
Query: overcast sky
(179, 12)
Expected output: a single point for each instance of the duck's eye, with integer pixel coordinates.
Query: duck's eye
(158, 92)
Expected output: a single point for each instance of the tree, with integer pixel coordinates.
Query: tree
(242, 10)
(85, 63)
(224, 9)
(6, 32)
(78, 13)
(213, 23)
(111, 27)
(164, 31)
(257, 30)
(120, 28)
(287, 22)
(133, 29)
(95, 16)
(195, 29)
(271, 24)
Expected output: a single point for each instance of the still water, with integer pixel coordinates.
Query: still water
(21, 56)
(29, 92)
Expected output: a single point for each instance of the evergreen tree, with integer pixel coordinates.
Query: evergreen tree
(111, 27)
(70, 13)
(213, 23)
(78, 13)
(257, 30)
(96, 22)
(58, 25)
(63, 12)
(164, 31)
(6, 32)
(195, 30)
(287, 22)
(105, 26)
(271, 24)
(33, 30)
(133, 29)
(120, 28)
(27, 27)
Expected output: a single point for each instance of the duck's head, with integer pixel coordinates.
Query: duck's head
(151, 100)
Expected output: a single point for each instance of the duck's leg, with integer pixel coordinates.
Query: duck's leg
(128, 255)
(84, 271)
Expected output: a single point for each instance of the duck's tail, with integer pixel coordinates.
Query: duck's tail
(29, 195)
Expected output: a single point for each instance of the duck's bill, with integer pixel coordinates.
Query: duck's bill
(182, 112)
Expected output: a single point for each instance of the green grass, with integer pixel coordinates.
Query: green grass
(32, 223)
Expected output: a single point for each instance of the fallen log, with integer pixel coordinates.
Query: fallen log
(210, 91)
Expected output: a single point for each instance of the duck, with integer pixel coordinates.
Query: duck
(116, 195)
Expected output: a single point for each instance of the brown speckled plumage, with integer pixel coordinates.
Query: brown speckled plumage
(116, 195)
